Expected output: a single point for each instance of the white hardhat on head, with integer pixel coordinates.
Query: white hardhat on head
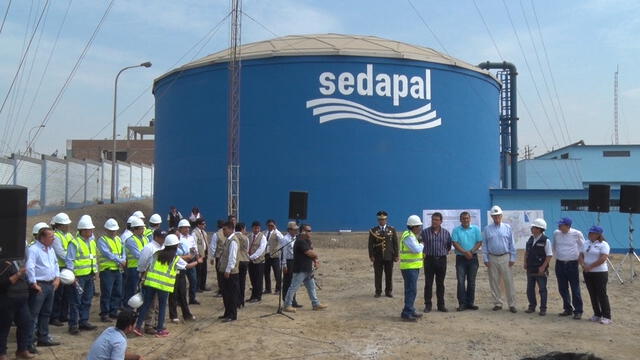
(39, 226)
(138, 213)
(183, 223)
(67, 277)
(111, 224)
(155, 219)
(131, 218)
(171, 240)
(62, 219)
(539, 223)
(135, 301)
(85, 223)
(496, 210)
(414, 220)
(136, 222)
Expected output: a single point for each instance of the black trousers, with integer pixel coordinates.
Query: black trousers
(597, 286)
(434, 267)
(286, 282)
(201, 270)
(218, 275)
(179, 297)
(272, 263)
(17, 311)
(256, 276)
(243, 268)
(380, 266)
(230, 296)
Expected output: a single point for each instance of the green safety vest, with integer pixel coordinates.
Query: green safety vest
(408, 259)
(66, 239)
(148, 233)
(115, 245)
(132, 262)
(162, 276)
(85, 262)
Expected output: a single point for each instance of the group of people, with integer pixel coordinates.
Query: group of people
(427, 247)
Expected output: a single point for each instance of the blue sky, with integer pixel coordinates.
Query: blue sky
(584, 41)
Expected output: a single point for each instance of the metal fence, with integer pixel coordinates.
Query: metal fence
(55, 183)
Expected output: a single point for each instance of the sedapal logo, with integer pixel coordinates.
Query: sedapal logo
(396, 87)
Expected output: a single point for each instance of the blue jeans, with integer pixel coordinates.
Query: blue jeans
(532, 280)
(131, 284)
(568, 275)
(192, 275)
(149, 293)
(16, 310)
(309, 283)
(410, 277)
(81, 303)
(110, 292)
(466, 271)
(40, 305)
(60, 309)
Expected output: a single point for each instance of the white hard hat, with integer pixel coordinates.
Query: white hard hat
(135, 301)
(496, 210)
(184, 222)
(136, 222)
(155, 219)
(111, 224)
(131, 218)
(171, 240)
(62, 219)
(39, 226)
(138, 214)
(414, 220)
(85, 223)
(67, 277)
(539, 223)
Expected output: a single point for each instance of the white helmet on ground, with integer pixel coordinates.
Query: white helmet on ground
(539, 223)
(136, 222)
(67, 277)
(135, 301)
(414, 220)
(496, 210)
(111, 224)
(171, 240)
(39, 226)
(85, 223)
(155, 219)
(138, 214)
(183, 223)
(62, 219)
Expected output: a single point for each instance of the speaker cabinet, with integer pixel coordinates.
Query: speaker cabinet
(599, 198)
(630, 199)
(298, 205)
(13, 221)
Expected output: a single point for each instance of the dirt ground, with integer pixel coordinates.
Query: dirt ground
(358, 326)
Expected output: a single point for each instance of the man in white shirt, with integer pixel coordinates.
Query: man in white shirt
(202, 245)
(190, 241)
(272, 258)
(567, 244)
(146, 256)
(229, 266)
(288, 241)
(257, 247)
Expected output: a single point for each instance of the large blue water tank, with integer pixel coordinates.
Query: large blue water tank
(359, 122)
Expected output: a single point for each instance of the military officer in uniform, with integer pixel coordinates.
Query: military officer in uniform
(383, 252)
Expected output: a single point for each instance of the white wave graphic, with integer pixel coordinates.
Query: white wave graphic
(331, 109)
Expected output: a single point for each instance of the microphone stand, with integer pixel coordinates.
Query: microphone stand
(279, 311)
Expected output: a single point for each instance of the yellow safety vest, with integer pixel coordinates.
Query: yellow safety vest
(132, 262)
(66, 239)
(85, 262)
(408, 259)
(115, 245)
(148, 234)
(162, 276)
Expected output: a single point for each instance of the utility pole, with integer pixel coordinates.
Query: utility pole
(233, 154)
(616, 138)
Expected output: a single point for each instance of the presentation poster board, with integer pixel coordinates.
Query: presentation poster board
(520, 221)
(451, 218)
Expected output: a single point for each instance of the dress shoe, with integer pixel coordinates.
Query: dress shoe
(513, 309)
(427, 309)
(105, 318)
(443, 309)
(472, 307)
(24, 355)
(87, 326)
(577, 316)
(530, 310)
(289, 309)
(73, 330)
(296, 305)
(228, 320)
(565, 313)
(461, 308)
(543, 312)
(319, 307)
(253, 301)
(416, 315)
(56, 322)
(497, 308)
(377, 295)
(389, 295)
(409, 319)
(32, 350)
(48, 342)
(194, 302)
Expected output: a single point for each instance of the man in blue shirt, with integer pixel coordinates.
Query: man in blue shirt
(499, 256)
(112, 343)
(467, 239)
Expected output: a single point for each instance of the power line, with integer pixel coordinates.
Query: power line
(4, 18)
(495, 45)
(428, 27)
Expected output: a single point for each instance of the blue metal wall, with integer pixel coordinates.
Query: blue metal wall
(351, 168)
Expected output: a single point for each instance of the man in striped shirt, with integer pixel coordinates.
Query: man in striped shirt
(437, 243)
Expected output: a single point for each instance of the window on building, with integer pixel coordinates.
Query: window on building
(616, 153)
(564, 156)
(120, 155)
(583, 205)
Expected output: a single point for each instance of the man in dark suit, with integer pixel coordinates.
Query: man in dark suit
(383, 252)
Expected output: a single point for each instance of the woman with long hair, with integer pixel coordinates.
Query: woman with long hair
(593, 260)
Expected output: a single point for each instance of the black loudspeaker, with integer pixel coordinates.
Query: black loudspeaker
(298, 205)
(13, 221)
(599, 198)
(630, 199)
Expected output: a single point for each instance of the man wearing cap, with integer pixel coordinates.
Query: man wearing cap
(43, 274)
(383, 252)
(567, 244)
(82, 259)
(499, 255)
(467, 240)
(257, 247)
(288, 242)
(133, 246)
(62, 238)
(112, 262)
(536, 263)
(411, 261)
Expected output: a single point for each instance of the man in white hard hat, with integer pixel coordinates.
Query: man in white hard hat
(499, 255)
(411, 261)
(154, 224)
(112, 262)
(184, 228)
(146, 255)
(82, 259)
(126, 234)
(148, 232)
(62, 238)
(43, 274)
(537, 256)
(133, 247)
